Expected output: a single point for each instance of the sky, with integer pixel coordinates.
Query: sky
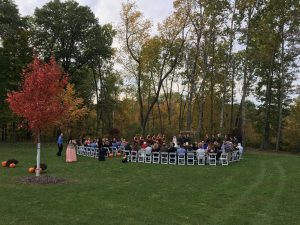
(108, 11)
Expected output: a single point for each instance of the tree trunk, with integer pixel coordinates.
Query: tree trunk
(97, 102)
(168, 99)
(266, 133)
(222, 113)
(160, 118)
(232, 97)
(38, 155)
(282, 82)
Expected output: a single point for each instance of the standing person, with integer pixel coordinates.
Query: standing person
(71, 151)
(60, 144)
(102, 153)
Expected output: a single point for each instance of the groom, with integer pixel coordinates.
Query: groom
(60, 144)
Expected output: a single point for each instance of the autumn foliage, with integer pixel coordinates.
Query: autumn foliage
(40, 99)
(76, 109)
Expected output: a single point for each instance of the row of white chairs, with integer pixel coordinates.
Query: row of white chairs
(173, 158)
(94, 153)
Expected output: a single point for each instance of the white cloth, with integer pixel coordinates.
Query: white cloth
(175, 141)
(240, 148)
(148, 150)
(200, 152)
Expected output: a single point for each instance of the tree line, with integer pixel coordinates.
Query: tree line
(212, 66)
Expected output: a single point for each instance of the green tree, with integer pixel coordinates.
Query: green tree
(15, 53)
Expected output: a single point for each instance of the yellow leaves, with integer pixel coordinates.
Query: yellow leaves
(135, 29)
(76, 110)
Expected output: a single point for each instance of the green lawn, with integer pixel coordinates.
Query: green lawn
(261, 189)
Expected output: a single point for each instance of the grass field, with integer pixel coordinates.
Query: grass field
(261, 189)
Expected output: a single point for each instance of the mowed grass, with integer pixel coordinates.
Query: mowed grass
(260, 189)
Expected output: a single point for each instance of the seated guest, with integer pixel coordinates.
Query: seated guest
(149, 140)
(164, 148)
(188, 147)
(218, 149)
(144, 145)
(156, 147)
(194, 146)
(228, 146)
(172, 148)
(87, 142)
(200, 151)
(181, 151)
(128, 147)
(211, 148)
(148, 150)
(163, 139)
(207, 139)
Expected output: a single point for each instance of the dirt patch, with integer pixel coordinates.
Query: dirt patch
(43, 179)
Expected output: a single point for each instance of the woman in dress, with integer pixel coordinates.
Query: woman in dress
(71, 151)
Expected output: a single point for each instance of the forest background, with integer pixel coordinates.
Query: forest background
(212, 66)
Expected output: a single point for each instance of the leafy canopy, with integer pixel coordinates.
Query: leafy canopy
(40, 100)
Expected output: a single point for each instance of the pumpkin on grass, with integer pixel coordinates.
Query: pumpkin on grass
(12, 165)
(3, 163)
(31, 170)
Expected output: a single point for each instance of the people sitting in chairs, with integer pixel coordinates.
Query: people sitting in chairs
(156, 147)
(181, 151)
(172, 148)
(200, 151)
(164, 148)
(148, 150)
(144, 145)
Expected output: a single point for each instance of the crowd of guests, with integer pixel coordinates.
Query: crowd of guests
(180, 144)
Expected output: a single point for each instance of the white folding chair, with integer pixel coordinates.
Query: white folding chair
(155, 157)
(148, 157)
(224, 159)
(96, 153)
(201, 159)
(127, 153)
(141, 156)
(85, 151)
(240, 156)
(88, 151)
(113, 150)
(190, 159)
(234, 155)
(212, 159)
(164, 158)
(181, 159)
(133, 156)
(80, 150)
(172, 158)
(92, 152)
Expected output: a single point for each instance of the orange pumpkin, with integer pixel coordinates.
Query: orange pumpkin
(111, 155)
(12, 165)
(118, 153)
(4, 163)
(31, 170)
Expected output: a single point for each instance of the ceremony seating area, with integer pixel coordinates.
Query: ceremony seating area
(171, 158)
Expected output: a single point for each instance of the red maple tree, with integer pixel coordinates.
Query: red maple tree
(40, 99)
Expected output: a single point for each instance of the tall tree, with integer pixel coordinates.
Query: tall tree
(15, 53)
(61, 28)
(169, 44)
(40, 99)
